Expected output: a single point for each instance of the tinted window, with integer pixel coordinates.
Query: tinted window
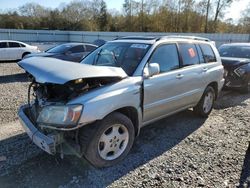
(3, 44)
(77, 49)
(22, 45)
(60, 48)
(166, 56)
(90, 48)
(14, 45)
(118, 54)
(201, 58)
(208, 53)
(235, 51)
(189, 54)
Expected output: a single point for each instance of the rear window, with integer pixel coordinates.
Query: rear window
(90, 48)
(189, 54)
(208, 53)
(77, 49)
(14, 45)
(235, 51)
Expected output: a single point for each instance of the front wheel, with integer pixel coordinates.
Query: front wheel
(205, 105)
(107, 142)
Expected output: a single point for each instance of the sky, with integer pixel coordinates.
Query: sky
(233, 12)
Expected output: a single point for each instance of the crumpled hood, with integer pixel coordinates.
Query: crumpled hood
(50, 70)
(234, 62)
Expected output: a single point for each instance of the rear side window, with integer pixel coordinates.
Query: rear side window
(189, 54)
(208, 53)
(14, 45)
(77, 49)
(90, 48)
(166, 56)
(3, 44)
(22, 45)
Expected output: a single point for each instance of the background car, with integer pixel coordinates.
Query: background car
(15, 50)
(68, 51)
(236, 61)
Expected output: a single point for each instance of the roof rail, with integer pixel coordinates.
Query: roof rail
(137, 38)
(185, 37)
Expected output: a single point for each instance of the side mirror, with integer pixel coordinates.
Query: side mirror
(151, 70)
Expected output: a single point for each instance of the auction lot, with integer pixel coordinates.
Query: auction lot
(179, 151)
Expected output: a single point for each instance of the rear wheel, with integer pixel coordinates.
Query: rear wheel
(107, 142)
(205, 105)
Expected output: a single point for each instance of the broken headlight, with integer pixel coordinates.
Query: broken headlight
(60, 115)
(240, 71)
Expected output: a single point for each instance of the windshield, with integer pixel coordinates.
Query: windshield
(118, 54)
(59, 49)
(235, 51)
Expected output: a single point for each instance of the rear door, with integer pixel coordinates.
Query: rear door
(15, 51)
(3, 51)
(210, 65)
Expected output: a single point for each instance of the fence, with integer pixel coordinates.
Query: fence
(55, 36)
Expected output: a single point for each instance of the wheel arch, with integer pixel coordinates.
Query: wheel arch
(214, 85)
(25, 53)
(133, 114)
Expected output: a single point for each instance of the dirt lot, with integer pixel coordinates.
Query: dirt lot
(179, 151)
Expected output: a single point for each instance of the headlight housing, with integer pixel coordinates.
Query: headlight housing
(60, 116)
(240, 71)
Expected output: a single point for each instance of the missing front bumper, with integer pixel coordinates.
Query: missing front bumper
(47, 143)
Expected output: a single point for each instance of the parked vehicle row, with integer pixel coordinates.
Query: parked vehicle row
(15, 50)
(236, 61)
(96, 108)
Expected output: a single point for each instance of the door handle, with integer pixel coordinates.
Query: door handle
(204, 69)
(179, 76)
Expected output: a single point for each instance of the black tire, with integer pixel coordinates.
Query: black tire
(199, 108)
(90, 136)
(24, 54)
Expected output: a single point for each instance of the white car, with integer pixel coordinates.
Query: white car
(15, 50)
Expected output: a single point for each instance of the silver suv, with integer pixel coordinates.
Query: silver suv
(96, 108)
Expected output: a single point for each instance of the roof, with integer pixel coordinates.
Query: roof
(153, 39)
(236, 44)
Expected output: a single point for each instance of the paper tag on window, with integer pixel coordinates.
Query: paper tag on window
(191, 52)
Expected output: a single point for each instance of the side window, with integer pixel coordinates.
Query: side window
(22, 45)
(14, 45)
(77, 49)
(208, 53)
(166, 56)
(201, 58)
(90, 48)
(189, 54)
(3, 44)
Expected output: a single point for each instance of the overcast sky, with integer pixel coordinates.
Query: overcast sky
(233, 12)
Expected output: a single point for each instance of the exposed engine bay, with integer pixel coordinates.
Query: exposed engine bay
(42, 94)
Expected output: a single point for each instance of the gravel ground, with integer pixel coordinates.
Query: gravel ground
(179, 151)
(13, 90)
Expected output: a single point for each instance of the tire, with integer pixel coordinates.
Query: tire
(205, 105)
(108, 141)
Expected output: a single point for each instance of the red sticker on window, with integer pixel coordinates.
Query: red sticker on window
(191, 52)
